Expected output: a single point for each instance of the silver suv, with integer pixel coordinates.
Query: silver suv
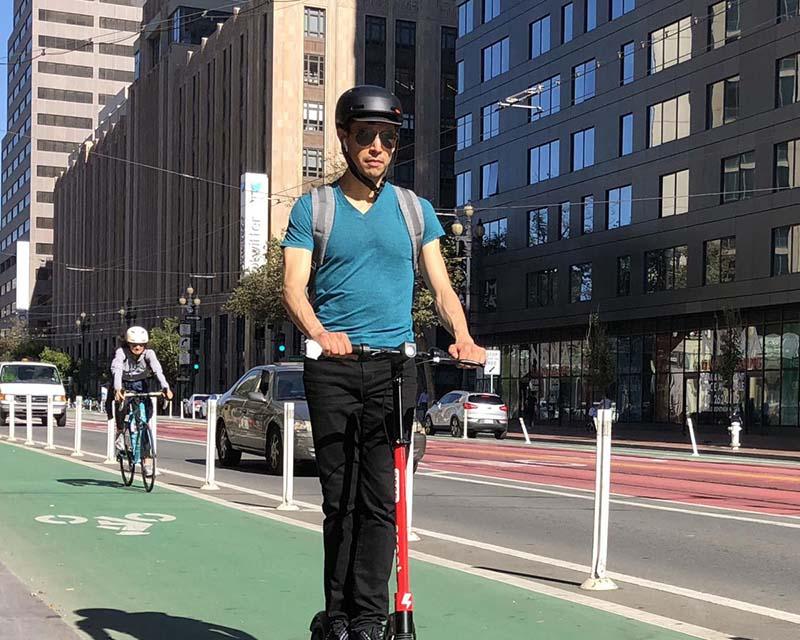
(481, 412)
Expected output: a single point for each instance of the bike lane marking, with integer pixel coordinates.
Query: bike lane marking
(252, 572)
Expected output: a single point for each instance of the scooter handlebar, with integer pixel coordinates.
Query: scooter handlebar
(407, 349)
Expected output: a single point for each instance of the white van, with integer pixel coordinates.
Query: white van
(36, 379)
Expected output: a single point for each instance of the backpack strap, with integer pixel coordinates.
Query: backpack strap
(323, 209)
(411, 208)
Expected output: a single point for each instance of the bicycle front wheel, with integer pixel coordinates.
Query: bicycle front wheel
(149, 469)
(126, 464)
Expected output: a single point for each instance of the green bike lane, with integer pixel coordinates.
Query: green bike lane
(102, 556)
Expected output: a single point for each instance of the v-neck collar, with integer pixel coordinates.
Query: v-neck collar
(362, 214)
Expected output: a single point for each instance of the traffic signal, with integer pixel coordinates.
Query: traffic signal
(280, 346)
(196, 367)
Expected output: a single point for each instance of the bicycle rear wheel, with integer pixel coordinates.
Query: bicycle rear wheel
(126, 464)
(147, 452)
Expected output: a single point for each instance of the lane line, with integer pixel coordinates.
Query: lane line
(576, 598)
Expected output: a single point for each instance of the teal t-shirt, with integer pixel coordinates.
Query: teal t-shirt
(365, 286)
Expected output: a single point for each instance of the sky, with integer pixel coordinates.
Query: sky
(6, 16)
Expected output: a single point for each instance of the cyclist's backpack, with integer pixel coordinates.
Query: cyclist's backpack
(323, 210)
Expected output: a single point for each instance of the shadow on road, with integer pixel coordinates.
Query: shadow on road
(301, 469)
(152, 625)
(90, 482)
(531, 576)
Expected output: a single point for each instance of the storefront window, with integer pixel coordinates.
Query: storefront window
(789, 397)
(772, 398)
(772, 347)
(755, 349)
(791, 343)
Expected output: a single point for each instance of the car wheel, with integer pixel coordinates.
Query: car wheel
(44, 422)
(472, 434)
(226, 454)
(61, 421)
(274, 451)
(455, 427)
(429, 428)
(500, 435)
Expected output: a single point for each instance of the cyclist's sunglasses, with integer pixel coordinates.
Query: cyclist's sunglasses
(366, 135)
(131, 346)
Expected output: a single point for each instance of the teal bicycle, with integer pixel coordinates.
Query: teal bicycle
(139, 445)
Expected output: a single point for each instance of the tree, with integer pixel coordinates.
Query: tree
(259, 293)
(62, 360)
(730, 349)
(600, 363)
(165, 341)
(16, 342)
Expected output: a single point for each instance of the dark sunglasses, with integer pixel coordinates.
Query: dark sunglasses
(366, 136)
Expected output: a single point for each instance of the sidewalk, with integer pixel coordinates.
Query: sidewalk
(168, 565)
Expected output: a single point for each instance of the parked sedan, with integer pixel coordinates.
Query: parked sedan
(481, 412)
(250, 418)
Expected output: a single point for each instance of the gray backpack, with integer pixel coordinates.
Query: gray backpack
(323, 211)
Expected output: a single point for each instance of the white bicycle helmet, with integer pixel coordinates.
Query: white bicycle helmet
(137, 335)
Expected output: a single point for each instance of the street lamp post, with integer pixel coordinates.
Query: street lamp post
(191, 304)
(83, 326)
(127, 314)
(466, 232)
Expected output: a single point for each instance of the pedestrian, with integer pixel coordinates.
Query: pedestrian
(361, 293)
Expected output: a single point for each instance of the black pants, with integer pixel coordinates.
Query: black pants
(351, 409)
(138, 386)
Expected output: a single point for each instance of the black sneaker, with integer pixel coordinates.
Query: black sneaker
(338, 631)
(374, 631)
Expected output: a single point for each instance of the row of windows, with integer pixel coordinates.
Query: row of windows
(55, 120)
(21, 36)
(118, 24)
(21, 230)
(8, 310)
(56, 146)
(66, 95)
(19, 183)
(6, 264)
(66, 17)
(67, 44)
(45, 171)
(314, 22)
(24, 153)
(19, 86)
(118, 75)
(61, 69)
(23, 58)
(21, 108)
(16, 210)
(313, 163)
(314, 69)
(21, 9)
(8, 287)
(19, 135)
(112, 49)
(313, 116)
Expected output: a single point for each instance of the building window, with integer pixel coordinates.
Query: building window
(675, 193)
(54, 120)
(44, 248)
(669, 120)
(537, 227)
(495, 59)
(619, 207)
(463, 188)
(490, 180)
(786, 250)
(567, 21)
(314, 69)
(118, 75)
(723, 102)
(670, 45)
(543, 162)
(490, 121)
(314, 22)
(66, 95)
(464, 132)
(788, 9)
(46, 171)
(67, 44)
(495, 234)
(626, 135)
(540, 37)
(491, 9)
(590, 16)
(720, 261)
(738, 177)
(313, 116)
(788, 91)
(57, 68)
(626, 63)
(313, 163)
(587, 206)
(466, 17)
(118, 24)
(583, 81)
(64, 17)
(548, 100)
(460, 76)
(542, 288)
(624, 276)
(563, 222)
(489, 298)
(666, 269)
(620, 7)
(724, 23)
(580, 282)
(787, 164)
(375, 51)
(582, 149)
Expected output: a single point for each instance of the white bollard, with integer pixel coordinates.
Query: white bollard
(111, 428)
(12, 419)
(211, 442)
(77, 453)
(288, 459)
(690, 425)
(183, 412)
(154, 430)
(29, 420)
(412, 535)
(50, 445)
(735, 429)
(598, 580)
(524, 430)
(170, 408)
(464, 435)
(193, 410)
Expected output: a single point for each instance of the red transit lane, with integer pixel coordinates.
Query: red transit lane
(766, 489)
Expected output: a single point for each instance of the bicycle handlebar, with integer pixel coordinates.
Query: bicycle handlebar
(407, 350)
(152, 394)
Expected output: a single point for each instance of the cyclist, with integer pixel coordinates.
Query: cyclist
(131, 370)
(362, 294)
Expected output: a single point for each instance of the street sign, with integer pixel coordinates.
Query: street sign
(184, 358)
(185, 344)
(185, 329)
(191, 316)
(182, 379)
(492, 366)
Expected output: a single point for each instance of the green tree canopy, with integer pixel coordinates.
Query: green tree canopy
(165, 341)
(61, 360)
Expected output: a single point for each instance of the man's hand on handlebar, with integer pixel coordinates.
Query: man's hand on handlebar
(119, 396)
(168, 393)
(466, 349)
(334, 344)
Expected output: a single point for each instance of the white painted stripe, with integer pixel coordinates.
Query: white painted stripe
(575, 598)
(534, 487)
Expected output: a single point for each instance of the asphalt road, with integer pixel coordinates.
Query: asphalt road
(709, 543)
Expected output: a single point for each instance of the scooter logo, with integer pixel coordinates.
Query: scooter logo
(407, 601)
(396, 486)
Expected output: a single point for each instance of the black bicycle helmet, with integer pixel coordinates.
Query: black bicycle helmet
(368, 103)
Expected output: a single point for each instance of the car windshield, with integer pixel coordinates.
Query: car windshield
(290, 386)
(38, 373)
(485, 398)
